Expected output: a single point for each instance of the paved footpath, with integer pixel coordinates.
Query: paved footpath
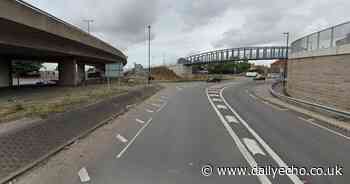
(22, 148)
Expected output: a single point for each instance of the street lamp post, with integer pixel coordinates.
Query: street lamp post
(89, 21)
(285, 65)
(149, 54)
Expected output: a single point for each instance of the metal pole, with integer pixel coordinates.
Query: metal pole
(149, 54)
(88, 23)
(285, 65)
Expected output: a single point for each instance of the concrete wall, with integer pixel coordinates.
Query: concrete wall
(324, 80)
(5, 79)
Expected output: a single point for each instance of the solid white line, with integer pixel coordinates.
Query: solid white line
(140, 121)
(162, 107)
(253, 146)
(269, 150)
(121, 138)
(262, 178)
(231, 119)
(324, 128)
(84, 175)
(133, 139)
(221, 107)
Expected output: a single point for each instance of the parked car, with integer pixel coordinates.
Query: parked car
(251, 74)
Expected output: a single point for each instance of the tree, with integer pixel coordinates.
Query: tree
(20, 68)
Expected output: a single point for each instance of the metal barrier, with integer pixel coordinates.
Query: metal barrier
(331, 37)
(331, 110)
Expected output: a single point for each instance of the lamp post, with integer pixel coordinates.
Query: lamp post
(89, 21)
(149, 54)
(285, 65)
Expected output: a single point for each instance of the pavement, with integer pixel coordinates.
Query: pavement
(24, 146)
(190, 132)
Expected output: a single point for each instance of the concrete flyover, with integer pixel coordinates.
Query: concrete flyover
(319, 67)
(28, 33)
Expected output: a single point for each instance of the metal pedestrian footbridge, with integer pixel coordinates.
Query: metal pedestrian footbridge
(237, 54)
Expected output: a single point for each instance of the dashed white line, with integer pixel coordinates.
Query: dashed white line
(149, 110)
(222, 107)
(214, 95)
(268, 149)
(121, 138)
(311, 121)
(217, 100)
(156, 105)
(140, 121)
(231, 119)
(84, 175)
(253, 146)
(162, 107)
(133, 139)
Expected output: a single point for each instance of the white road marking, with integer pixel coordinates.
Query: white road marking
(267, 148)
(133, 139)
(214, 95)
(311, 121)
(156, 105)
(253, 96)
(262, 178)
(217, 100)
(162, 107)
(149, 110)
(121, 138)
(84, 175)
(221, 107)
(231, 119)
(140, 121)
(179, 88)
(253, 146)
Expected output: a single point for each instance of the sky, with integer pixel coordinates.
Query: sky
(184, 27)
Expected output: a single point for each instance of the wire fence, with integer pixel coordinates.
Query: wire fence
(331, 37)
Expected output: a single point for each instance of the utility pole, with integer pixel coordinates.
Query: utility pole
(88, 21)
(285, 65)
(149, 54)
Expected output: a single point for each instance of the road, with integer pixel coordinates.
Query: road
(171, 137)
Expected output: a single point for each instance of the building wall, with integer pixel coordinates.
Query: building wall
(324, 80)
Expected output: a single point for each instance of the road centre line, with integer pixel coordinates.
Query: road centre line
(262, 178)
(133, 139)
(269, 150)
(311, 121)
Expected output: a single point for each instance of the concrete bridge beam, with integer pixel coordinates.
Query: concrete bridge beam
(5, 72)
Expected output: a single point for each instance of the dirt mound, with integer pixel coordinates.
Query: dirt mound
(163, 73)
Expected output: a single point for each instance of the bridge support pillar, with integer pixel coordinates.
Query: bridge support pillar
(5, 72)
(68, 72)
(81, 73)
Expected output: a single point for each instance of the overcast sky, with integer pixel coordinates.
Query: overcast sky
(183, 27)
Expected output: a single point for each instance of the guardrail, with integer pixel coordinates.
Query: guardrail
(344, 114)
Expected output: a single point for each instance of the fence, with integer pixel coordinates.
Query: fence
(331, 37)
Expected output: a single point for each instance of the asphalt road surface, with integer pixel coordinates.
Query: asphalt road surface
(191, 133)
